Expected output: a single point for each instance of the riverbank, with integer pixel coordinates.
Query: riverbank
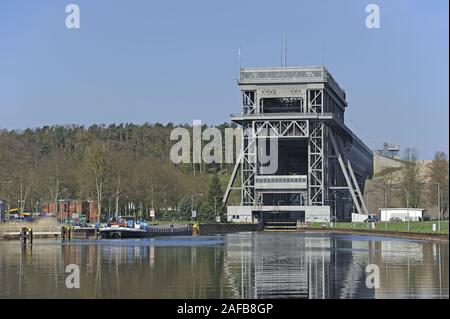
(42, 228)
(417, 230)
(414, 227)
(405, 235)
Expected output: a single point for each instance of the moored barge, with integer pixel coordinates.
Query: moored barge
(118, 230)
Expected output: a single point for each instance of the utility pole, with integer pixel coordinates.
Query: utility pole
(215, 206)
(438, 203)
(153, 198)
(407, 206)
(385, 198)
(57, 192)
(439, 206)
(192, 203)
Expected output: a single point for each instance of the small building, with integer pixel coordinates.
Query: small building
(239, 214)
(359, 218)
(72, 209)
(405, 214)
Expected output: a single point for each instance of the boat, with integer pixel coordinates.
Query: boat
(122, 228)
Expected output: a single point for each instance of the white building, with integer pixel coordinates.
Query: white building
(405, 214)
(359, 218)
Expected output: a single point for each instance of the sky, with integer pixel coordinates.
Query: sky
(176, 61)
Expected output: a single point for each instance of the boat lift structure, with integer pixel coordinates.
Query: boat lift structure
(322, 164)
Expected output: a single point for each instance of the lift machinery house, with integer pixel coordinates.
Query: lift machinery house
(322, 164)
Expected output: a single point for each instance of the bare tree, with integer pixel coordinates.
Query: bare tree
(98, 163)
(438, 173)
(25, 189)
(411, 181)
(119, 170)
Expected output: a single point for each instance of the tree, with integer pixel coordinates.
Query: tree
(411, 181)
(214, 200)
(118, 163)
(119, 167)
(98, 163)
(184, 208)
(439, 172)
(25, 188)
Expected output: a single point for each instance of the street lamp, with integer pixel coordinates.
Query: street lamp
(334, 205)
(153, 202)
(21, 203)
(192, 204)
(215, 205)
(56, 198)
(57, 193)
(384, 188)
(385, 197)
(407, 200)
(438, 202)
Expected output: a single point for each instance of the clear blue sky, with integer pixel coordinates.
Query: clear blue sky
(161, 61)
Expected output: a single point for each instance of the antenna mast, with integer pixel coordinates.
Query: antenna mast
(240, 62)
(285, 50)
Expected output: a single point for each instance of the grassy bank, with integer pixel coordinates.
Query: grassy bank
(414, 227)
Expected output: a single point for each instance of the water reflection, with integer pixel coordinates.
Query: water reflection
(245, 265)
(303, 267)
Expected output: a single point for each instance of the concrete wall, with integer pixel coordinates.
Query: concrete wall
(380, 163)
(239, 214)
(317, 213)
(359, 218)
(312, 213)
(205, 229)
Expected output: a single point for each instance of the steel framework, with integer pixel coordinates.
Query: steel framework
(332, 148)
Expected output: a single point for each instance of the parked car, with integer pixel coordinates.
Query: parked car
(371, 220)
(424, 218)
(395, 219)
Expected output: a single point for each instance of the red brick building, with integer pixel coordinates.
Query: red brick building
(72, 208)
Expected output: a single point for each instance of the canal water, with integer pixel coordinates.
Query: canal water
(241, 265)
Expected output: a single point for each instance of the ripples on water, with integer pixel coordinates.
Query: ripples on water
(243, 265)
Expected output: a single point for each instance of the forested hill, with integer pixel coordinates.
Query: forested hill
(127, 162)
